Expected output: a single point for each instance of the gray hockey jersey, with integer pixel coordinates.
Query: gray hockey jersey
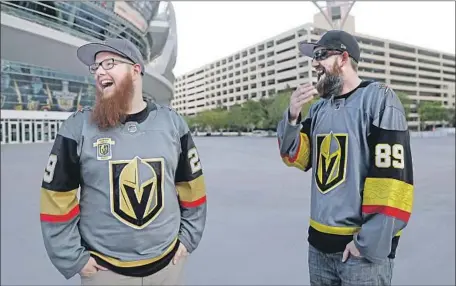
(142, 192)
(358, 148)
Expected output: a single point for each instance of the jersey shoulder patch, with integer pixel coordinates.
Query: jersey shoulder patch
(383, 88)
(172, 115)
(165, 107)
(171, 111)
(81, 111)
(72, 127)
(389, 96)
(316, 106)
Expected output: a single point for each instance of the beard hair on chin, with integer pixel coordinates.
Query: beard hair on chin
(332, 83)
(110, 111)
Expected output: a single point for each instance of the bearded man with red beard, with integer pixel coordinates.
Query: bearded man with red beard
(355, 139)
(142, 203)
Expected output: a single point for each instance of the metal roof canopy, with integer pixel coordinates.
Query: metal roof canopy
(335, 12)
(32, 43)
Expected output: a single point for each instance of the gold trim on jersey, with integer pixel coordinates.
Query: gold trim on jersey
(192, 191)
(388, 192)
(302, 156)
(120, 263)
(340, 230)
(137, 190)
(58, 203)
(331, 165)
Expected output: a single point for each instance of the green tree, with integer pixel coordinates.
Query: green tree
(279, 105)
(220, 118)
(207, 119)
(306, 107)
(192, 122)
(452, 117)
(211, 120)
(275, 109)
(253, 113)
(264, 103)
(235, 118)
(432, 111)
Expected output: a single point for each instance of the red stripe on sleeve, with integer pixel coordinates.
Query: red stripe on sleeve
(295, 157)
(386, 210)
(193, 204)
(61, 218)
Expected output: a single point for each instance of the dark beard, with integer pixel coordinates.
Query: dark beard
(332, 84)
(109, 112)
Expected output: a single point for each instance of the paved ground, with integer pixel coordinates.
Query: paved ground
(253, 199)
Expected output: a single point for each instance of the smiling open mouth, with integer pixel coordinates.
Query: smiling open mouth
(106, 83)
(320, 73)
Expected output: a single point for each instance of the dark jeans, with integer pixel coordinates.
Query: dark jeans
(328, 269)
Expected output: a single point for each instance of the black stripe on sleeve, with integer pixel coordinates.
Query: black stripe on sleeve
(189, 166)
(306, 128)
(390, 155)
(62, 171)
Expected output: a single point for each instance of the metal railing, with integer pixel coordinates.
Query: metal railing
(30, 87)
(55, 90)
(88, 20)
(12, 67)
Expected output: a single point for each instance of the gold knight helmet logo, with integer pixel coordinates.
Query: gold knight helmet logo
(137, 190)
(331, 161)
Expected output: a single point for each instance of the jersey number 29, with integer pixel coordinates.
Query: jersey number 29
(194, 159)
(50, 167)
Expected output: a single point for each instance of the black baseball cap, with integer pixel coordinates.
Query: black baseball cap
(334, 40)
(122, 47)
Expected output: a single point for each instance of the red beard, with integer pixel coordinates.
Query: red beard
(110, 111)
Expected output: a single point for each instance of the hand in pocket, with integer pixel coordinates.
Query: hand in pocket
(91, 268)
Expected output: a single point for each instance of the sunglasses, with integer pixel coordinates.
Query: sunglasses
(323, 54)
(107, 64)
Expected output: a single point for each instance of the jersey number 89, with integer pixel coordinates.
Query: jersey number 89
(387, 155)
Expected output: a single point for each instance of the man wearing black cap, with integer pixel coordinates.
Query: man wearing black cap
(142, 203)
(355, 139)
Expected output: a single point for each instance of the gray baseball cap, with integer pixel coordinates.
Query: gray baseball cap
(122, 47)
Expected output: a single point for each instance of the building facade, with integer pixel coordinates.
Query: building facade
(43, 82)
(265, 69)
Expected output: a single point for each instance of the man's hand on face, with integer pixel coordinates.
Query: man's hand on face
(300, 96)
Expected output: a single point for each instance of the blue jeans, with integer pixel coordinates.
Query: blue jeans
(328, 269)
